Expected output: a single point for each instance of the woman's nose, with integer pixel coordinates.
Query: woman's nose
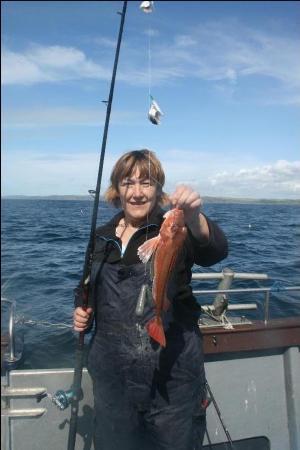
(137, 190)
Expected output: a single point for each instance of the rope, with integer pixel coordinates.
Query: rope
(24, 321)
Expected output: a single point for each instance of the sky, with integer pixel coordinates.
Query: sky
(226, 76)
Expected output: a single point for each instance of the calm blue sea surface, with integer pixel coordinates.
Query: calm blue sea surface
(43, 249)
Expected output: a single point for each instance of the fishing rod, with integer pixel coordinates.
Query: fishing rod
(220, 416)
(76, 386)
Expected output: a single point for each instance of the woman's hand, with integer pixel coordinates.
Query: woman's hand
(82, 319)
(190, 202)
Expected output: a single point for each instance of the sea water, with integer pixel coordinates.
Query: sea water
(43, 251)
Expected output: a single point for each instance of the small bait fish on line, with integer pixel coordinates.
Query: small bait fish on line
(155, 112)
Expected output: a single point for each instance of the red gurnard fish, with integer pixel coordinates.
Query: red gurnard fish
(165, 247)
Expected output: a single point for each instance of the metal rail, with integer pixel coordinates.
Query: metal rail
(236, 276)
(22, 392)
(25, 412)
(266, 290)
(11, 357)
(235, 307)
(241, 290)
(11, 334)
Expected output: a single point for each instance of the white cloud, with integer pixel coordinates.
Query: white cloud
(105, 42)
(49, 64)
(228, 50)
(64, 116)
(36, 173)
(281, 179)
(33, 173)
(151, 32)
(184, 40)
(225, 53)
(56, 56)
(231, 175)
(19, 69)
(221, 52)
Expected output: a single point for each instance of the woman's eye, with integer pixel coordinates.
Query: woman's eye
(144, 184)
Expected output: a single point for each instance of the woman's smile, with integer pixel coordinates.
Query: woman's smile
(138, 197)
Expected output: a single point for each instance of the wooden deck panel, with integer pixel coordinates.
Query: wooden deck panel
(276, 333)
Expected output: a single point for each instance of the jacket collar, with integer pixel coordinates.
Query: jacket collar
(107, 232)
(154, 218)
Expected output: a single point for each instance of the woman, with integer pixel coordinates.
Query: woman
(146, 396)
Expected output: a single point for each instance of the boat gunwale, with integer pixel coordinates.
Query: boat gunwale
(259, 335)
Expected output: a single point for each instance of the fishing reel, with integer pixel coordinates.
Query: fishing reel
(62, 399)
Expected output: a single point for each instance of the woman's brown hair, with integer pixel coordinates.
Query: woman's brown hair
(149, 167)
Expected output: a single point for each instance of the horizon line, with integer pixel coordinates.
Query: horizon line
(86, 196)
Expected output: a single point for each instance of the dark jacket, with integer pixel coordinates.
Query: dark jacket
(147, 396)
(108, 250)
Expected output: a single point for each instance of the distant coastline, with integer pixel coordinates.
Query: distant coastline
(206, 199)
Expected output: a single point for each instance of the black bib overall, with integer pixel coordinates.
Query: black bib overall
(146, 397)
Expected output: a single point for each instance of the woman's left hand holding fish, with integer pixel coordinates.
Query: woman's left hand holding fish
(190, 202)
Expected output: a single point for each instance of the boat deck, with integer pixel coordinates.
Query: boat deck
(253, 371)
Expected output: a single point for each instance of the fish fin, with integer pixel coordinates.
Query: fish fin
(146, 250)
(166, 303)
(156, 331)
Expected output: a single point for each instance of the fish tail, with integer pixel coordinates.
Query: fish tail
(156, 331)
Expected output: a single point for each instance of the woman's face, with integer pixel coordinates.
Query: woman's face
(138, 197)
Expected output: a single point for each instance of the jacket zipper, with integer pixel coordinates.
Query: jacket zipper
(142, 228)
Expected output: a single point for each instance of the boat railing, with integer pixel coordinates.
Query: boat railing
(266, 290)
(235, 275)
(11, 357)
(224, 289)
(221, 293)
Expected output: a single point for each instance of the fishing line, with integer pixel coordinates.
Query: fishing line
(154, 112)
(147, 229)
(144, 294)
(149, 66)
